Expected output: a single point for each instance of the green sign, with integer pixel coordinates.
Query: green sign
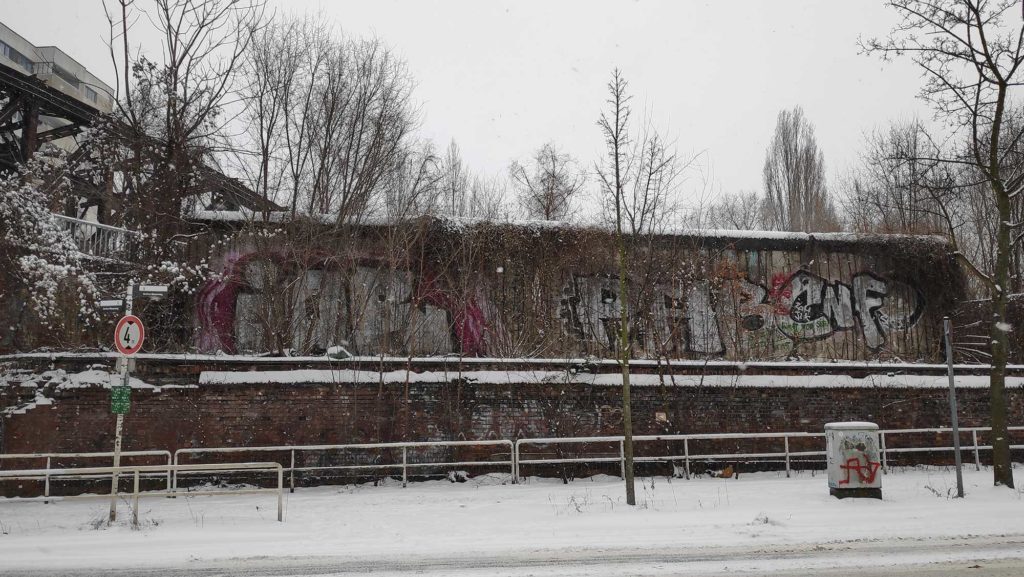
(120, 399)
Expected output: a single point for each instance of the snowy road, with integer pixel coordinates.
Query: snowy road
(980, 557)
(758, 524)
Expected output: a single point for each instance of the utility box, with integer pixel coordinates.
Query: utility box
(854, 465)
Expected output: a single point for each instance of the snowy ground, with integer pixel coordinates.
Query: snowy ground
(757, 523)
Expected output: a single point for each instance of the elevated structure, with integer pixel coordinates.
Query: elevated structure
(47, 97)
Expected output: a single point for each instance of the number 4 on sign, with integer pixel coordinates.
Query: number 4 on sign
(129, 335)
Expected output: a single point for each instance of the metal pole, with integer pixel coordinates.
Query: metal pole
(885, 462)
(405, 457)
(977, 457)
(135, 500)
(292, 476)
(129, 292)
(622, 459)
(46, 489)
(786, 439)
(512, 458)
(280, 494)
(686, 456)
(946, 325)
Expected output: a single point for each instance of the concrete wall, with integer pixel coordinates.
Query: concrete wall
(513, 291)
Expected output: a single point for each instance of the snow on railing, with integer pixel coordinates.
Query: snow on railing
(404, 465)
(97, 239)
(139, 471)
(686, 456)
(63, 457)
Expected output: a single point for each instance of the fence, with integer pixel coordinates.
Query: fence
(137, 472)
(686, 456)
(677, 449)
(44, 473)
(404, 465)
(97, 239)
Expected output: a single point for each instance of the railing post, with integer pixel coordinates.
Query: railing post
(515, 463)
(174, 473)
(786, 441)
(885, 462)
(622, 459)
(135, 500)
(686, 457)
(46, 486)
(977, 458)
(512, 458)
(405, 456)
(169, 463)
(292, 469)
(280, 494)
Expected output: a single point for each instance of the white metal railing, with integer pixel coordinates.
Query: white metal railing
(687, 456)
(973, 447)
(137, 472)
(404, 465)
(44, 475)
(97, 239)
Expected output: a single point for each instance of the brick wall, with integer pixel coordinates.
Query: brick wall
(79, 419)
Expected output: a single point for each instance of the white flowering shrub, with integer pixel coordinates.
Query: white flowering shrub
(37, 253)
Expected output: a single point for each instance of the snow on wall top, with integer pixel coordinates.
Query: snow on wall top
(465, 223)
(316, 376)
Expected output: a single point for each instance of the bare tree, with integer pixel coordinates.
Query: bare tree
(169, 114)
(547, 187)
(271, 69)
(454, 181)
(614, 175)
(740, 211)
(893, 190)
(796, 197)
(487, 199)
(970, 52)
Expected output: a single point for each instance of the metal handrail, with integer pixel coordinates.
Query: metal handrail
(786, 454)
(137, 470)
(99, 225)
(405, 465)
(45, 477)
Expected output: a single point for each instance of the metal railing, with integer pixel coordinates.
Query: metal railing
(404, 465)
(686, 457)
(97, 239)
(973, 447)
(137, 473)
(44, 475)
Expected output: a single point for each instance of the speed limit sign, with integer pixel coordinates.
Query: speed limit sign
(129, 334)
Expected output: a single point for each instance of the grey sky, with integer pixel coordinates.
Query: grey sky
(503, 77)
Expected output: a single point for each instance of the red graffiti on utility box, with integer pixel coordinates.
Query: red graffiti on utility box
(866, 470)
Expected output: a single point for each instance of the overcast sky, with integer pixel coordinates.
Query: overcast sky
(503, 77)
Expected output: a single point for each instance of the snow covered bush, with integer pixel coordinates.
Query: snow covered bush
(37, 252)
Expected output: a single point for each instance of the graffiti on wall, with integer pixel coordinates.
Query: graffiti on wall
(372, 309)
(796, 307)
(365, 308)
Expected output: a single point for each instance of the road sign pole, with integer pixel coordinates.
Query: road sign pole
(120, 415)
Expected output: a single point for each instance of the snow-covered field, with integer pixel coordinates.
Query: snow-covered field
(387, 526)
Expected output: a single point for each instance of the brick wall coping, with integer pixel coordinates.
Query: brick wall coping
(426, 363)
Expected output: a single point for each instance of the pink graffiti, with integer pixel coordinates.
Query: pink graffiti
(215, 309)
(467, 317)
(781, 293)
